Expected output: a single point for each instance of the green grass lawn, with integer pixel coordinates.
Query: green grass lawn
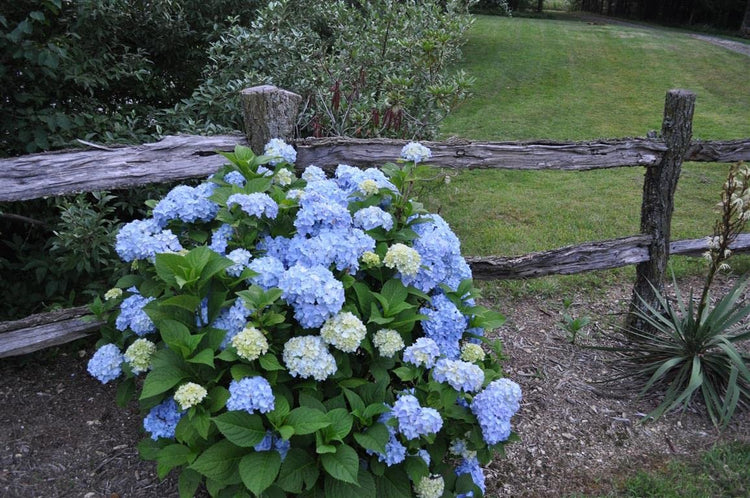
(564, 79)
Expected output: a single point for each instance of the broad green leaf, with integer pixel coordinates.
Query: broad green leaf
(342, 465)
(166, 372)
(172, 456)
(299, 469)
(188, 483)
(306, 420)
(374, 439)
(125, 392)
(241, 428)
(202, 423)
(310, 401)
(184, 301)
(416, 468)
(204, 357)
(270, 363)
(279, 412)
(259, 470)
(365, 488)
(219, 462)
(341, 424)
(394, 483)
(394, 291)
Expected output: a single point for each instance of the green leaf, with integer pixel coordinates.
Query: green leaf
(125, 392)
(202, 423)
(172, 456)
(279, 412)
(342, 465)
(341, 424)
(217, 398)
(183, 301)
(310, 401)
(241, 428)
(365, 488)
(394, 483)
(188, 483)
(259, 470)
(374, 439)
(355, 402)
(416, 468)
(298, 469)
(306, 420)
(270, 363)
(166, 372)
(375, 409)
(204, 357)
(177, 336)
(406, 373)
(219, 462)
(286, 431)
(394, 291)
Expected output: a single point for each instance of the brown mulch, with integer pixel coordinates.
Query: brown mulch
(63, 435)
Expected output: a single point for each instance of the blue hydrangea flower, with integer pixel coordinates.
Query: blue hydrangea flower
(241, 258)
(162, 420)
(471, 466)
(494, 407)
(188, 204)
(256, 204)
(349, 179)
(323, 205)
(308, 356)
(313, 292)
(251, 394)
(440, 251)
(423, 352)
(232, 319)
(106, 364)
(424, 455)
(269, 271)
(413, 419)
(373, 217)
(201, 314)
(445, 324)
(460, 375)
(220, 238)
(133, 317)
(395, 452)
(415, 151)
(340, 247)
(143, 239)
(273, 441)
(313, 174)
(280, 151)
(235, 178)
(277, 247)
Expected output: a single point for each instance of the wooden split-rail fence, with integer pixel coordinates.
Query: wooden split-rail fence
(271, 112)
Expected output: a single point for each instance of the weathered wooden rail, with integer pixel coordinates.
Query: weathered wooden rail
(185, 156)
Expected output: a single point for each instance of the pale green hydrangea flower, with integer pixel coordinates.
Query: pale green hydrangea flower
(139, 354)
(472, 353)
(344, 331)
(369, 187)
(189, 395)
(112, 293)
(430, 487)
(250, 343)
(369, 258)
(283, 177)
(403, 258)
(388, 342)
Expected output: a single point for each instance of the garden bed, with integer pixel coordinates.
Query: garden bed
(63, 434)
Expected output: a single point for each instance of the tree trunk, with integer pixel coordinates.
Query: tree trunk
(659, 187)
(539, 5)
(745, 29)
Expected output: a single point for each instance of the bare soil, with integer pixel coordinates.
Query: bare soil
(62, 434)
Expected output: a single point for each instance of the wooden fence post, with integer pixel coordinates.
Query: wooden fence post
(269, 112)
(659, 187)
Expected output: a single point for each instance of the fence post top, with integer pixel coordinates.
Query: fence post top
(265, 89)
(681, 92)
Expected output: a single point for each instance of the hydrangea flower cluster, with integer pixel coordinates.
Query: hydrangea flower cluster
(251, 394)
(494, 407)
(162, 420)
(311, 316)
(106, 364)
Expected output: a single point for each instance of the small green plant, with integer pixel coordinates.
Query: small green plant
(694, 349)
(572, 325)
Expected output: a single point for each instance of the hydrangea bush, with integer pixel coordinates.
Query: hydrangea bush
(307, 336)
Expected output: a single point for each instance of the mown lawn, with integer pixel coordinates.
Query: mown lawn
(564, 79)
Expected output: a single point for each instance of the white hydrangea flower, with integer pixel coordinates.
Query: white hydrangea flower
(283, 177)
(403, 258)
(369, 258)
(388, 342)
(344, 331)
(472, 353)
(415, 151)
(430, 487)
(189, 395)
(112, 293)
(308, 356)
(139, 354)
(369, 187)
(250, 343)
